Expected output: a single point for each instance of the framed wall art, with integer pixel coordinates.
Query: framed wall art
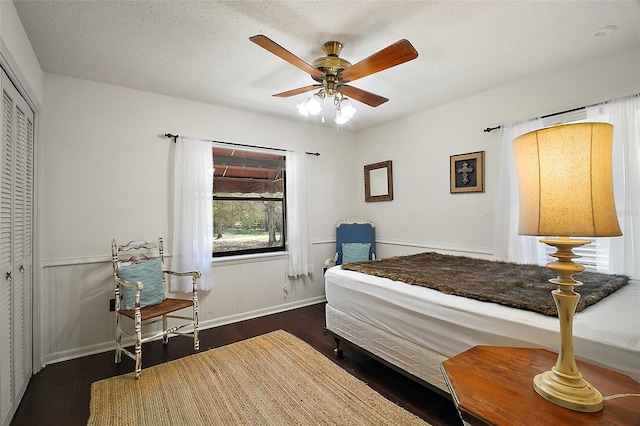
(378, 182)
(467, 172)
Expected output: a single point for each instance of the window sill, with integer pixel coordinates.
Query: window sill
(249, 258)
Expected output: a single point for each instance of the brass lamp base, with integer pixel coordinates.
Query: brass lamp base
(573, 393)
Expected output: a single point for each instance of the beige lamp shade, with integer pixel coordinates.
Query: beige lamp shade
(565, 181)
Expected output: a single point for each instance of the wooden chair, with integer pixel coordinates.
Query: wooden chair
(140, 294)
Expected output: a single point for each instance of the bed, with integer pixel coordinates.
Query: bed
(413, 328)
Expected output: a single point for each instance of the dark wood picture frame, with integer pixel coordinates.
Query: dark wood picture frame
(378, 182)
(466, 172)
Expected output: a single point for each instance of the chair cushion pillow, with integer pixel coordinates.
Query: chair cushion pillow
(355, 252)
(150, 274)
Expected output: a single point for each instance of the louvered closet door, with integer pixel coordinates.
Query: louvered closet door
(6, 258)
(16, 212)
(22, 203)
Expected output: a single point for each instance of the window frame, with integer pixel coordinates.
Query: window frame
(282, 199)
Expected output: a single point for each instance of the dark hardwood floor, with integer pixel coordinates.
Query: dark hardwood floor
(59, 394)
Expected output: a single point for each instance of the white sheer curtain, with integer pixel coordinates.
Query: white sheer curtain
(508, 245)
(193, 213)
(624, 115)
(298, 240)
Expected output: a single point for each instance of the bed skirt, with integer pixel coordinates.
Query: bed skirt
(416, 360)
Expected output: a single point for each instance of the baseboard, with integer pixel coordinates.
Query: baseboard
(110, 346)
(261, 312)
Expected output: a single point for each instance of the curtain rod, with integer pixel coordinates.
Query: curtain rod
(490, 129)
(175, 139)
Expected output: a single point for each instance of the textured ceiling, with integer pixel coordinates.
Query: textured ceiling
(200, 50)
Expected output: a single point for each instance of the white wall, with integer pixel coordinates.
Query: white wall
(423, 214)
(97, 140)
(107, 173)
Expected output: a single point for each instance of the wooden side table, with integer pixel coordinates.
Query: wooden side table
(493, 385)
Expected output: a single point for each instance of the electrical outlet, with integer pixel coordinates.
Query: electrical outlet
(112, 305)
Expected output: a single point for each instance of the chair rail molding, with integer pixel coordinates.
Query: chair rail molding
(483, 251)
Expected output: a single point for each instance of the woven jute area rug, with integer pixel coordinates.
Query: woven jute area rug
(273, 379)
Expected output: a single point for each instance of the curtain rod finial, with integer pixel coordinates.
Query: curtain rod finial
(169, 135)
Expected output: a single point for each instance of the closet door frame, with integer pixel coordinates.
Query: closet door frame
(10, 67)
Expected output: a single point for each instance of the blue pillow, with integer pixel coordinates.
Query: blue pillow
(150, 274)
(355, 252)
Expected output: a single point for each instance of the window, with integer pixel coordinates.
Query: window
(248, 201)
(616, 255)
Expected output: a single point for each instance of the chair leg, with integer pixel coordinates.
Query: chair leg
(138, 347)
(196, 339)
(138, 365)
(118, 340)
(165, 337)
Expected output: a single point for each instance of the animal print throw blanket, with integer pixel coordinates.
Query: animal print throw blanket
(511, 284)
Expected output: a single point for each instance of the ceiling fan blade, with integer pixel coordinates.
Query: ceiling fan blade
(399, 52)
(276, 49)
(363, 96)
(297, 91)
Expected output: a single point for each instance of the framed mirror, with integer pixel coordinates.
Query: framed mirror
(378, 182)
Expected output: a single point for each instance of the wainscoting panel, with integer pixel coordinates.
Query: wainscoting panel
(75, 317)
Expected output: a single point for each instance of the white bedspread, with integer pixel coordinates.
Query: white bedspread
(607, 333)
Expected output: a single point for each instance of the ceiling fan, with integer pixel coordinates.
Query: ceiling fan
(332, 73)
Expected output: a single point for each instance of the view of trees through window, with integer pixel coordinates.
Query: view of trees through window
(248, 201)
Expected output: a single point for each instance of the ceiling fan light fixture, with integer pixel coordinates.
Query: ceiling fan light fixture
(340, 117)
(348, 109)
(314, 104)
(334, 72)
(302, 108)
(345, 110)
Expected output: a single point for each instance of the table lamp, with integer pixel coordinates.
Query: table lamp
(566, 190)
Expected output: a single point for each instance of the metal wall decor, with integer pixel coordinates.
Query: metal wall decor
(467, 172)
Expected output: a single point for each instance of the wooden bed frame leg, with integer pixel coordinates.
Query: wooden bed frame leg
(338, 350)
